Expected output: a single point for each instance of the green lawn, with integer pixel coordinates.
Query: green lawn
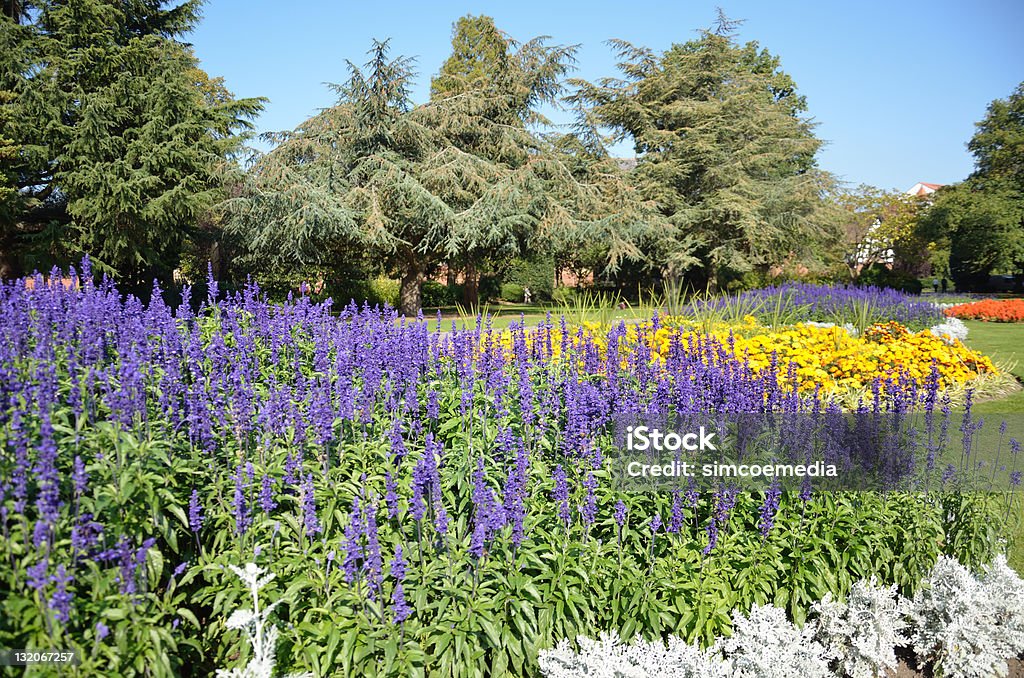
(1004, 342)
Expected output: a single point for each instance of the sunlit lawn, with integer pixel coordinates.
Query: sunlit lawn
(1004, 342)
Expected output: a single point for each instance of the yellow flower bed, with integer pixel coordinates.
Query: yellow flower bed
(831, 357)
(825, 356)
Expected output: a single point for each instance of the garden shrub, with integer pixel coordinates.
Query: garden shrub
(537, 273)
(966, 626)
(513, 292)
(434, 294)
(862, 632)
(880, 276)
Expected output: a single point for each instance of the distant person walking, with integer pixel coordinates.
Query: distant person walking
(527, 295)
(935, 285)
(945, 285)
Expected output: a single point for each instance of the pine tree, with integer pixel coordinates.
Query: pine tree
(722, 148)
(414, 185)
(131, 154)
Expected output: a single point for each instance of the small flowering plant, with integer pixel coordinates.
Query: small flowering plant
(261, 634)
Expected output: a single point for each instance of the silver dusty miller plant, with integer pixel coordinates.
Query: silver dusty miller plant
(609, 657)
(259, 631)
(861, 633)
(968, 626)
(765, 644)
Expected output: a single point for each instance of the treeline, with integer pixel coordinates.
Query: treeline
(114, 142)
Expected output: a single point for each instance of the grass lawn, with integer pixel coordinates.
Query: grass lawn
(1004, 342)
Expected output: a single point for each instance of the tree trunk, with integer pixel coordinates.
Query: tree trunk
(471, 286)
(409, 292)
(10, 264)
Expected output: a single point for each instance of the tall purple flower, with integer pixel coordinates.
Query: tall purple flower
(399, 605)
(374, 561)
(195, 512)
(79, 476)
(267, 502)
(309, 518)
(620, 514)
(353, 543)
(769, 507)
(560, 494)
(238, 505)
(60, 601)
(391, 494)
(589, 510)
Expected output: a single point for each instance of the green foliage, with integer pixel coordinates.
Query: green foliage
(458, 179)
(881, 276)
(879, 227)
(512, 292)
(436, 294)
(722, 149)
(537, 273)
(133, 154)
(983, 218)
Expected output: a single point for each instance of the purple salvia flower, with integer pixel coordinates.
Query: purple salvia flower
(374, 561)
(399, 605)
(620, 513)
(267, 502)
(309, 518)
(675, 521)
(37, 577)
(79, 476)
(239, 507)
(589, 511)
(391, 494)
(560, 494)
(768, 509)
(195, 512)
(60, 601)
(353, 543)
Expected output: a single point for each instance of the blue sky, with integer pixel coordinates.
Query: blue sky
(895, 88)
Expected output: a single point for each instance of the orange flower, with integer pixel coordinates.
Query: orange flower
(990, 310)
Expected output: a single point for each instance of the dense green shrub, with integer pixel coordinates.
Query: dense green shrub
(880, 276)
(434, 294)
(512, 292)
(537, 273)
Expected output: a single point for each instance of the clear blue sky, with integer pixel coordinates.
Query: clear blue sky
(896, 88)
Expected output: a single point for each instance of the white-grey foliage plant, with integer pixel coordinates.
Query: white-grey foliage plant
(861, 634)
(255, 623)
(964, 625)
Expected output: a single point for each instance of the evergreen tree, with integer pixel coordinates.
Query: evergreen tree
(414, 185)
(722, 148)
(132, 153)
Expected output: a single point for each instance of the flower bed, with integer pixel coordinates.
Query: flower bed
(958, 624)
(433, 503)
(990, 310)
